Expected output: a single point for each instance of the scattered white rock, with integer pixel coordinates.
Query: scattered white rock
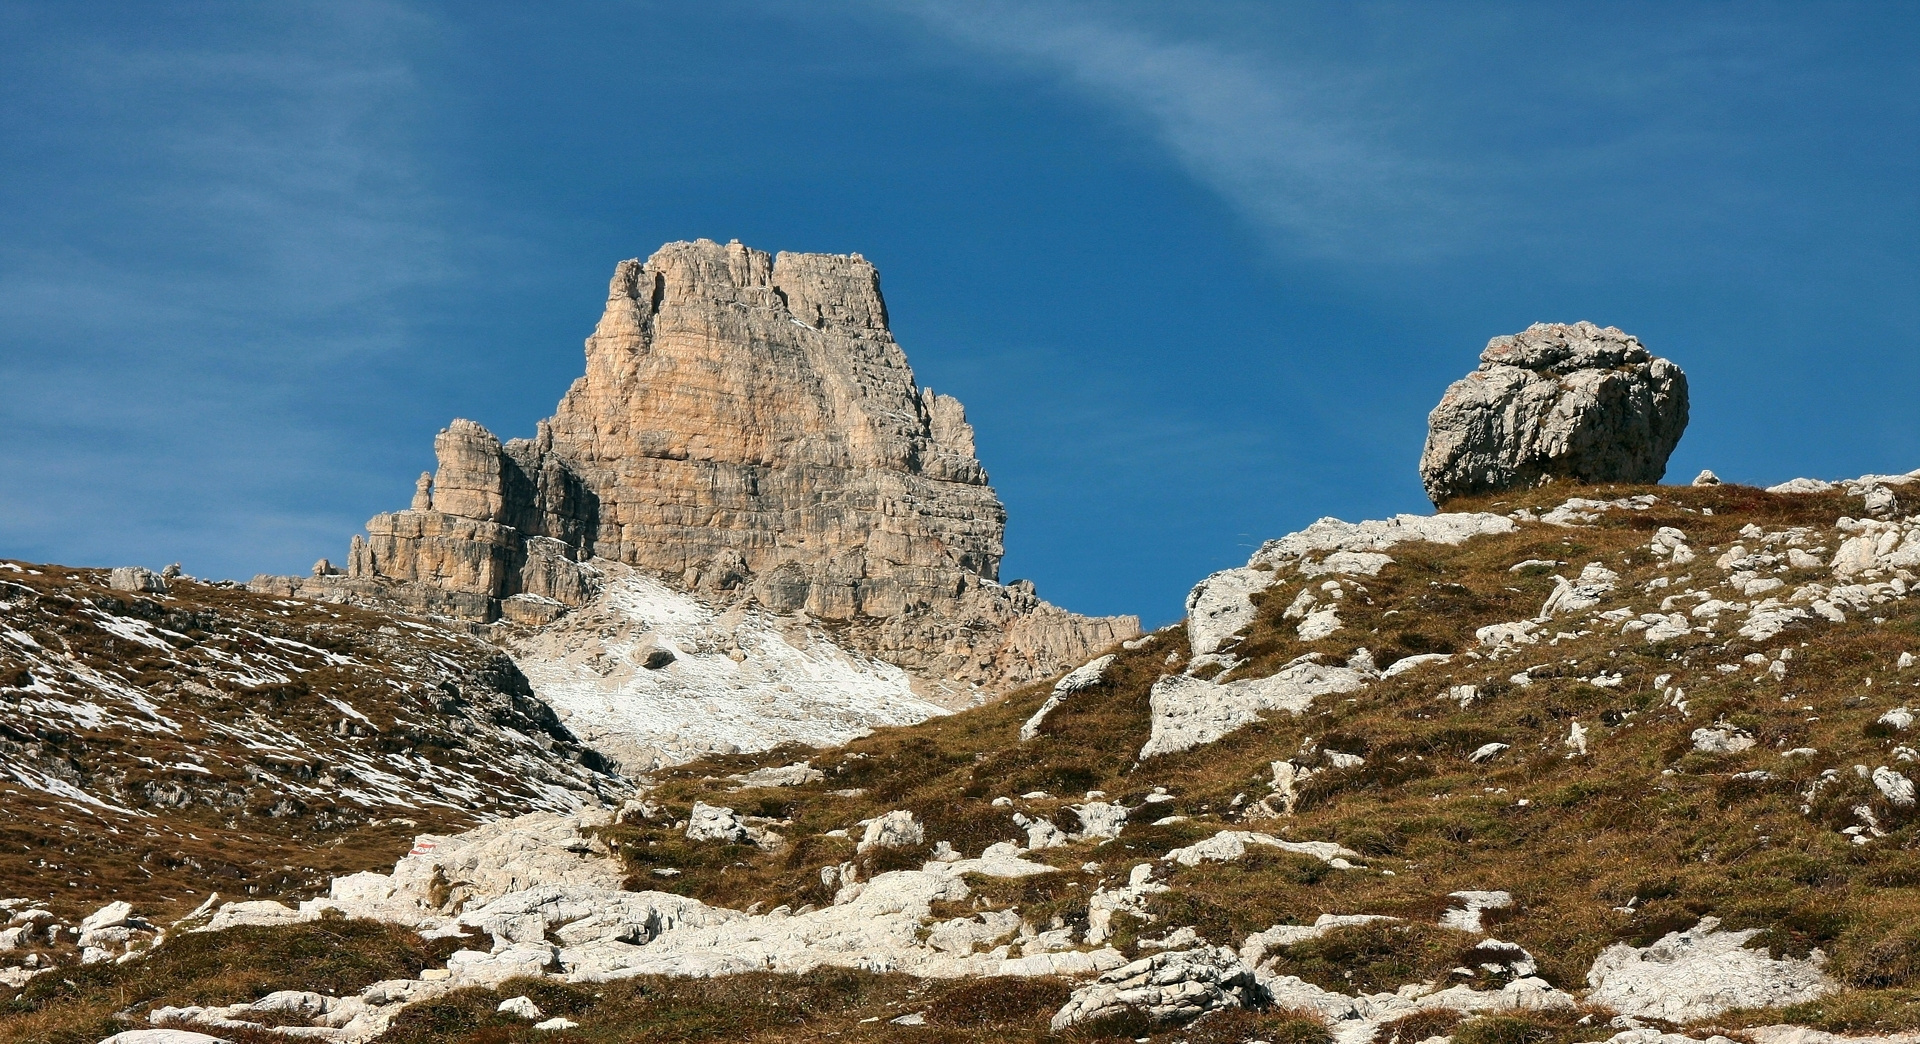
(1187, 712)
(1799, 559)
(1667, 628)
(1472, 907)
(1503, 637)
(1654, 1036)
(1041, 833)
(136, 579)
(112, 915)
(1357, 1018)
(1329, 535)
(1596, 581)
(520, 1007)
(1232, 844)
(1340, 760)
(1319, 624)
(1081, 678)
(798, 774)
(1580, 511)
(1287, 779)
(1769, 618)
(1100, 819)
(256, 912)
(1301, 605)
(1881, 502)
(1413, 663)
(518, 961)
(1805, 1035)
(162, 1036)
(896, 829)
(1721, 740)
(1255, 948)
(1487, 752)
(1347, 563)
(1221, 606)
(1699, 973)
(714, 823)
(1178, 939)
(1801, 485)
(1576, 741)
(1896, 788)
(1671, 544)
(1169, 987)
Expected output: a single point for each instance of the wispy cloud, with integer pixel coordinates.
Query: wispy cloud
(1289, 143)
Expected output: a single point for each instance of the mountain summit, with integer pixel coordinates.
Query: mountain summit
(747, 426)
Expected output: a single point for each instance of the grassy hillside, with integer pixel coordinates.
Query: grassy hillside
(155, 747)
(1638, 834)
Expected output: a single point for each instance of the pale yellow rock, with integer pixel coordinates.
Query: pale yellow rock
(746, 425)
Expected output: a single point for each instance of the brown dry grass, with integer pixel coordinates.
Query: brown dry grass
(1642, 821)
(231, 820)
(829, 1004)
(80, 1005)
(1640, 837)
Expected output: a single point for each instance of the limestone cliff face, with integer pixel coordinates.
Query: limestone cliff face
(748, 426)
(745, 414)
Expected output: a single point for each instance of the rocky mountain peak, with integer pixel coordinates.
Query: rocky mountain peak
(748, 427)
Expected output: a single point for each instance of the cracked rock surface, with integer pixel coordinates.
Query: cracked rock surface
(1555, 401)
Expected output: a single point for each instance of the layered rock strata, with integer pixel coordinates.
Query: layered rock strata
(1555, 401)
(747, 427)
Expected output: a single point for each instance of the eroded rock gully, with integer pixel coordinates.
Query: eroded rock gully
(748, 427)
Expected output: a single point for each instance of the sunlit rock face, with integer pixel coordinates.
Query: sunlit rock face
(748, 427)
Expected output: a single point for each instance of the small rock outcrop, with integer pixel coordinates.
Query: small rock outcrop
(136, 579)
(1701, 972)
(1555, 401)
(713, 823)
(1175, 987)
(747, 427)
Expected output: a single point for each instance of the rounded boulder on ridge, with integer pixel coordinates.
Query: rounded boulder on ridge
(1555, 401)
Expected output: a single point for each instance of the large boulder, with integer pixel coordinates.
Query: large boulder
(1555, 401)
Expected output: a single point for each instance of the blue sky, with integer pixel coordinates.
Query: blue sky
(1198, 271)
